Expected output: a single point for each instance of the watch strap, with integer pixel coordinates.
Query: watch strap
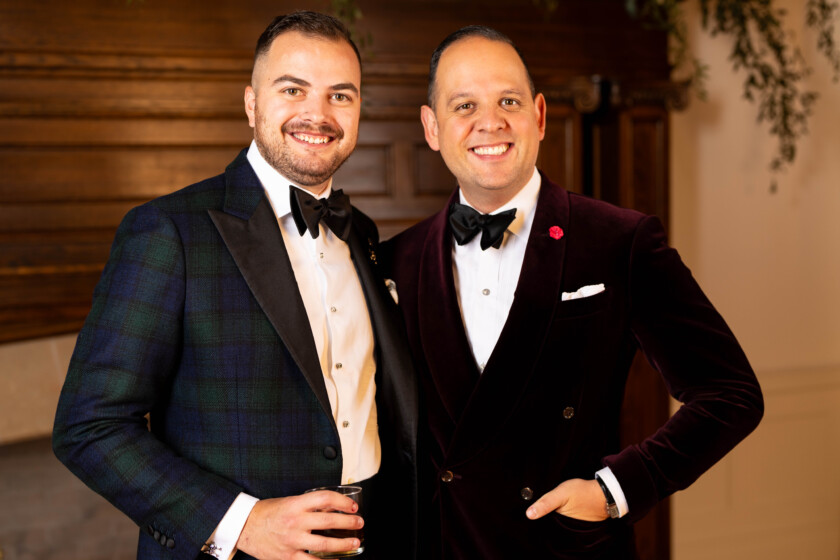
(612, 508)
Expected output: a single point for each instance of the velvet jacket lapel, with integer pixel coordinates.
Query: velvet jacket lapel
(249, 229)
(474, 406)
(445, 345)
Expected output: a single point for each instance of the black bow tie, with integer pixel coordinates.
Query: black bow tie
(467, 222)
(335, 211)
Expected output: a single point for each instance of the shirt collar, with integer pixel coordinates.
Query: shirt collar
(275, 184)
(525, 201)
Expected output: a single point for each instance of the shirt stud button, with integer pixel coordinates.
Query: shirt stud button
(485, 292)
(346, 424)
(338, 365)
(333, 309)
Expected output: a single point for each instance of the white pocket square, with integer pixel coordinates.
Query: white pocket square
(392, 289)
(584, 292)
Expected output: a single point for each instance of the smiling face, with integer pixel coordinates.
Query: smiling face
(304, 104)
(486, 124)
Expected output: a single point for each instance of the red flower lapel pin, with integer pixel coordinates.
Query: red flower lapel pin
(556, 232)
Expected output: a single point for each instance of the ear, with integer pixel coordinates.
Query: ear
(540, 109)
(430, 127)
(250, 103)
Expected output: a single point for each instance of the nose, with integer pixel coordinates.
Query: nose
(490, 119)
(315, 109)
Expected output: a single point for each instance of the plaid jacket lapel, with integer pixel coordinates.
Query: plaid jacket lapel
(249, 229)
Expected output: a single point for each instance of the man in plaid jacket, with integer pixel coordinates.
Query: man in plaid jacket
(242, 348)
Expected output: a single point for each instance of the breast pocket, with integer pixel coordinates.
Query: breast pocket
(584, 335)
(582, 307)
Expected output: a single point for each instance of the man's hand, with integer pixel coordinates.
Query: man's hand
(281, 528)
(575, 498)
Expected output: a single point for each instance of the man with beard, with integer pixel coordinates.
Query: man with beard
(244, 317)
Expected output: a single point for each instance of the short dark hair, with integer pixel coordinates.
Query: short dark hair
(466, 33)
(309, 23)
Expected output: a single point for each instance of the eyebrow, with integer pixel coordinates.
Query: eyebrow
(458, 95)
(303, 83)
(288, 78)
(345, 85)
(462, 94)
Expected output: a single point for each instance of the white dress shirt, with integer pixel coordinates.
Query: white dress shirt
(485, 282)
(338, 317)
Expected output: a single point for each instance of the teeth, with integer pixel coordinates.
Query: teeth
(491, 150)
(312, 139)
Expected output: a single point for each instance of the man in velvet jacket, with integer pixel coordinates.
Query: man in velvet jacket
(262, 345)
(524, 305)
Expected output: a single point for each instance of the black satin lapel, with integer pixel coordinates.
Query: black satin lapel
(520, 343)
(442, 334)
(396, 383)
(259, 251)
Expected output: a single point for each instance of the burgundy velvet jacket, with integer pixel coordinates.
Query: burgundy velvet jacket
(546, 408)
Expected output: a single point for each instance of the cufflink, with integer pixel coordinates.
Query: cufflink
(211, 549)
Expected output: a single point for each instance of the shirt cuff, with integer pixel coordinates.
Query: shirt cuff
(614, 487)
(222, 543)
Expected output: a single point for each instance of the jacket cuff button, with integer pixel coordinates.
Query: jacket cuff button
(170, 543)
(447, 476)
(527, 494)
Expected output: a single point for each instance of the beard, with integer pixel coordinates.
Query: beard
(308, 170)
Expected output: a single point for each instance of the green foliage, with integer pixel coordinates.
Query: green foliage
(774, 68)
(547, 6)
(667, 15)
(350, 13)
(820, 16)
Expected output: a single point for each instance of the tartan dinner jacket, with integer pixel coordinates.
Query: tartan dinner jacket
(197, 323)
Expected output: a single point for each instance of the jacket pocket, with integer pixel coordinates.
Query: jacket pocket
(588, 539)
(583, 307)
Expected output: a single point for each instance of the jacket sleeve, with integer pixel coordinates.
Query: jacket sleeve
(687, 341)
(123, 366)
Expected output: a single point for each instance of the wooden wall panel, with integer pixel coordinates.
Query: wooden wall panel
(643, 183)
(97, 132)
(560, 152)
(54, 174)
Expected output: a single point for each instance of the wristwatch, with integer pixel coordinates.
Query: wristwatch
(612, 509)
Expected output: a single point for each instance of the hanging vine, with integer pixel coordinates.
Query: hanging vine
(350, 14)
(774, 68)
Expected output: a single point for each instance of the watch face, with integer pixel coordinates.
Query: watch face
(612, 509)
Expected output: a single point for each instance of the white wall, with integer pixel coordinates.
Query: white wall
(31, 376)
(771, 264)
